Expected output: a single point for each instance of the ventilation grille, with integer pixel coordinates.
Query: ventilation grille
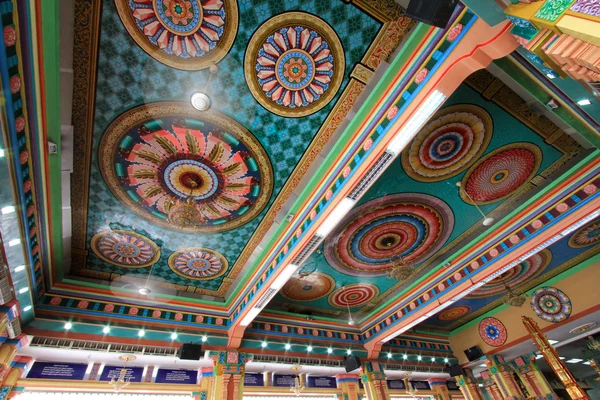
(40, 341)
(13, 329)
(307, 250)
(297, 360)
(367, 180)
(266, 298)
(5, 291)
(413, 368)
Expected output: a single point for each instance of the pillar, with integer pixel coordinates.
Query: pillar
(494, 392)
(10, 379)
(268, 379)
(94, 372)
(532, 378)
(230, 368)
(503, 378)
(439, 388)
(206, 384)
(348, 384)
(373, 379)
(149, 374)
(468, 386)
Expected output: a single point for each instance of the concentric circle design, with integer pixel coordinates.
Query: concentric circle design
(354, 295)
(587, 235)
(294, 64)
(155, 155)
(185, 34)
(551, 304)
(308, 288)
(408, 225)
(451, 142)
(125, 248)
(453, 313)
(515, 277)
(500, 173)
(492, 331)
(198, 263)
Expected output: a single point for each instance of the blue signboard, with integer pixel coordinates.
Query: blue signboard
(452, 385)
(420, 385)
(182, 376)
(396, 384)
(48, 370)
(254, 380)
(283, 380)
(134, 374)
(322, 382)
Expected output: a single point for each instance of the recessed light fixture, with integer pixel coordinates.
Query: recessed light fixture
(263, 344)
(23, 290)
(204, 338)
(405, 356)
(480, 384)
(106, 329)
(1, 152)
(552, 341)
(390, 354)
(173, 335)
(27, 308)
(141, 333)
(562, 358)
(348, 351)
(200, 101)
(432, 359)
(68, 326)
(13, 242)
(587, 363)
(574, 360)
(482, 366)
(144, 291)
(538, 356)
(550, 76)
(309, 349)
(288, 346)
(584, 102)
(7, 209)
(419, 358)
(329, 350)
(446, 360)
(19, 268)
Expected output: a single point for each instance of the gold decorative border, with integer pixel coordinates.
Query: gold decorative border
(179, 252)
(537, 153)
(273, 25)
(98, 236)
(108, 147)
(212, 57)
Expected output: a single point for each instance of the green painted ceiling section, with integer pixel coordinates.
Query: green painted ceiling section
(128, 77)
(506, 129)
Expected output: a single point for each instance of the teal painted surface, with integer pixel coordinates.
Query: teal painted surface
(487, 10)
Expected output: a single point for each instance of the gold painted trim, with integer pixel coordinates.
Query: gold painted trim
(98, 236)
(179, 252)
(270, 27)
(212, 57)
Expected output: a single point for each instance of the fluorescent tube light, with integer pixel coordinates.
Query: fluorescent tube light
(336, 216)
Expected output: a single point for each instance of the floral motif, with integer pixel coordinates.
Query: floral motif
(109, 308)
(551, 304)
(454, 32)
(10, 36)
(354, 295)
(552, 9)
(198, 263)
(410, 225)
(125, 248)
(294, 64)
(500, 173)
(492, 331)
(55, 301)
(178, 317)
(15, 84)
(392, 112)
(156, 314)
(308, 288)
(367, 144)
(20, 124)
(453, 140)
(167, 152)
(589, 7)
(587, 235)
(23, 157)
(186, 34)
(421, 75)
(82, 304)
(133, 311)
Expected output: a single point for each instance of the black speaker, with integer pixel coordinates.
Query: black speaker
(474, 353)
(351, 363)
(455, 370)
(189, 351)
(432, 12)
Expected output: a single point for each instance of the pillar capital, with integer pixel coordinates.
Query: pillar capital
(373, 379)
(229, 371)
(468, 385)
(348, 383)
(502, 375)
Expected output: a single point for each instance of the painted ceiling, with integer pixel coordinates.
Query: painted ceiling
(273, 71)
(415, 214)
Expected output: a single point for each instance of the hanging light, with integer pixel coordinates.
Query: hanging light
(122, 381)
(184, 213)
(487, 221)
(200, 100)
(145, 290)
(401, 270)
(297, 387)
(513, 299)
(351, 320)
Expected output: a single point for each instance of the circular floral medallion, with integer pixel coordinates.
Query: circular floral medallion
(492, 331)
(587, 235)
(551, 304)
(453, 313)
(185, 34)
(515, 277)
(308, 288)
(161, 154)
(354, 295)
(408, 225)
(198, 263)
(500, 173)
(294, 64)
(125, 248)
(453, 140)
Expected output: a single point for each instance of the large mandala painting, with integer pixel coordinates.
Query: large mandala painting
(492, 331)
(198, 263)
(450, 143)
(157, 155)
(125, 249)
(452, 313)
(501, 173)
(354, 295)
(185, 34)
(587, 235)
(408, 225)
(551, 304)
(294, 64)
(308, 287)
(515, 277)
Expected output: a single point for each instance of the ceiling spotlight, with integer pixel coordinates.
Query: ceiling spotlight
(482, 366)
(27, 308)
(204, 338)
(390, 354)
(351, 322)
(405, 356)
(200, 101)
(173, 335)
(348, 351)
(419, 358)
(432, 359)
(309, 349)
(538, 356)
(584, 102)
(263, 344)
(446, 360)
(68, 326)
(144, 291)
(288, 346)
(106, 329)
(552, 341)
(329, 350)
(141, 333)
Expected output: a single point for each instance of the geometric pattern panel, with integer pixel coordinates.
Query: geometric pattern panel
(551, 304)
(492, 331)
